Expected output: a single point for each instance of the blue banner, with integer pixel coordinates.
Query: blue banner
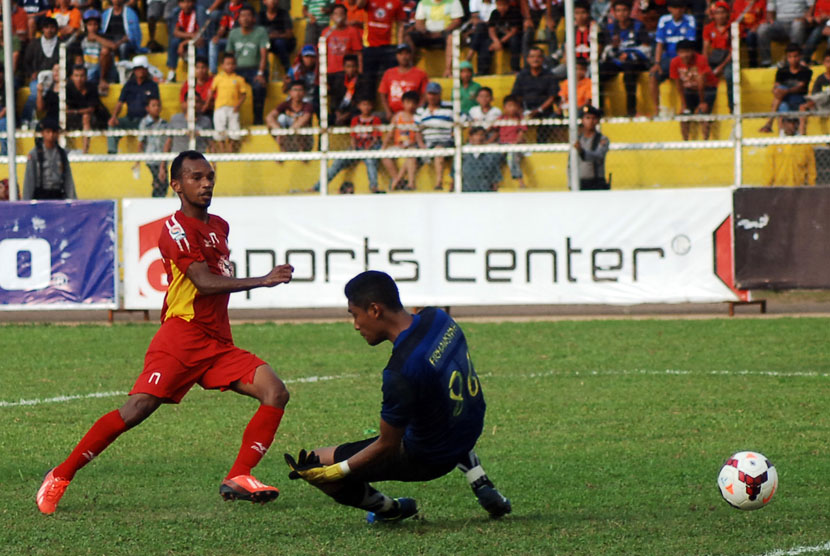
(58, 254)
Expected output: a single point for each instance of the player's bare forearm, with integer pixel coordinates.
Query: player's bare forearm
(208, 283)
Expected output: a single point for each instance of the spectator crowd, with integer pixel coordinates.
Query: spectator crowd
(372, 47)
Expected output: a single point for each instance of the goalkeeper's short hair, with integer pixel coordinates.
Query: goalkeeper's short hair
(373, 286)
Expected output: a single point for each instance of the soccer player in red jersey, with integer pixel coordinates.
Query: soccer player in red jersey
(194, 343)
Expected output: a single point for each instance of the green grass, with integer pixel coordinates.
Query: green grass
(601, 450)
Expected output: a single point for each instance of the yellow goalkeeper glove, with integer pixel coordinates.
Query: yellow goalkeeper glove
(308, 467)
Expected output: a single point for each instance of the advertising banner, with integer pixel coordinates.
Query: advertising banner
(58, 255)
(473, 249)
(782, 237)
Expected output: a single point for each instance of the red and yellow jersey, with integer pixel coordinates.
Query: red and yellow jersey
(186, 240)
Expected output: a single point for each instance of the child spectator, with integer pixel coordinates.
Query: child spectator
(435, 20)
(345, 87)
(480, 171)
(154, 144)
(379, 52)
(791, 85)
(120, 25)
(41, 55)
(249, 43)
(362, 141)
(68, 18)
(512, 132)
(187, 20)
(341, 39)
(316, 13)
(484, 114)
(469, 88)
(203, 82)
(399, 80)
(435, 121)
(717, 46)
(582, 38)
(583, 85)
(48, 174)
(671, 29)
(504, 32)
(790, 165)
(294, 113)
(696, 85)
(752, 20)
(819, 97)
(305, 69)
(404, 135)
(97, 52)
(227, 21)
(134, 95)
(626, 50)
(277, 23)
(227, 91)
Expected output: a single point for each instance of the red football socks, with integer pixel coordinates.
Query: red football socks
(258, 436)
(103, 432)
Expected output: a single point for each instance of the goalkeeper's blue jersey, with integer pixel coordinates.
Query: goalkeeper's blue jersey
(431, 388)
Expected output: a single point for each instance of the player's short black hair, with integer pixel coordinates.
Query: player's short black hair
(411, 95)
(581, 4)
(296, 83)
(373, 286)
(79, 67)
(487, 89)
(512, 98)
(339, 6)
(626, 3)
(176, 165)
(350, 58)
(248, 8)
(793, 47)
(202, 60)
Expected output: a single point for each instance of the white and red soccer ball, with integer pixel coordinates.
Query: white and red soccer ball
(747, 480)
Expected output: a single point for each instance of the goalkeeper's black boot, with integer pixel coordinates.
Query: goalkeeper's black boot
(490, 498)
(400, 510)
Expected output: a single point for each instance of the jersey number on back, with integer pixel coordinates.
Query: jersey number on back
(457, 386)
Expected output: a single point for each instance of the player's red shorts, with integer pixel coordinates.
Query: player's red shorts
(181, 355)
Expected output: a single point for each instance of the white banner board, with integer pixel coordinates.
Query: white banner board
(605, 247)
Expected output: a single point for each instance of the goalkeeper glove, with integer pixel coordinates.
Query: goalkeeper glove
(308, 467)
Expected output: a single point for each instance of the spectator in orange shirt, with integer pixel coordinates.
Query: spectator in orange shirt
(583, 85)
(342, 39)
(399, 80)
(356, 16)
(68, 18)
(717, 46)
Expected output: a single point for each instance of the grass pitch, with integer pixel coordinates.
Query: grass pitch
(606, 435)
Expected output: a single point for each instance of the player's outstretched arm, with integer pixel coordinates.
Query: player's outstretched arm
(208, 283)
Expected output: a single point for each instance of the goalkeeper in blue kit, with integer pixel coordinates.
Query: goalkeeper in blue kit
(431, 416)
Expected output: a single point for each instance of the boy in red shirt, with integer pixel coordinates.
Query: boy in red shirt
(512, 132)
(717, 45)
(399, 80)
(194, 343)
(696, 84)
(342, 39)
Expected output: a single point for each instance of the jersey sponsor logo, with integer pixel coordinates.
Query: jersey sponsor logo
(177, 234)
(446, 340)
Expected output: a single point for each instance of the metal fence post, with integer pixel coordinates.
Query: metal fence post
(62, 93)
(737, 111)
(322, 63)
(456, 109)
(191, 95)
(595, 100)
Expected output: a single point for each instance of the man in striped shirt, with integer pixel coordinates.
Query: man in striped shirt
(435, 121)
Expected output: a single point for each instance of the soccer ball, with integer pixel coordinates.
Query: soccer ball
(747, 481)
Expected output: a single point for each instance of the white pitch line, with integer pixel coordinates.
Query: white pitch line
(61, 399)
(796, 551)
